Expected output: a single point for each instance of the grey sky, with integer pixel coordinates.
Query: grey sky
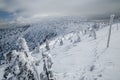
(30, 9)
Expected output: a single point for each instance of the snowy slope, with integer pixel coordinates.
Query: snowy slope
(35, 32)
(85, 60)
(88, 59)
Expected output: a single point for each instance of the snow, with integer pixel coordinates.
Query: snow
(88, 59)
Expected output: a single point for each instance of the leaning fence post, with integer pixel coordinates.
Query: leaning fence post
(111, 22)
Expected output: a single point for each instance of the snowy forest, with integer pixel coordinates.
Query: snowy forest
(59, 39)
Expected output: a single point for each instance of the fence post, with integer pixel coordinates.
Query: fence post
(110, 23)
(118, 23)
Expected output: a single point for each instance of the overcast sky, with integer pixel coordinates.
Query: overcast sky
(21, 10)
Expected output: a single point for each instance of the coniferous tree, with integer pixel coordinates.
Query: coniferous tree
(20, 64)
(78, 37)
(47, 44)
(61, 42)
(47, 73)
(92, 32)
(22, 44)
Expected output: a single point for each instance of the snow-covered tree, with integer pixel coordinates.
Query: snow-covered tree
(20, 64)
(47, 45)
(76, 38)
(37, 49)
(22, 44)
(61, 42)
(47, 73)
(96, 26)
(92, 32)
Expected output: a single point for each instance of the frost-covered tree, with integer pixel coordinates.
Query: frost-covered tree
(37, 49)
(61, 42)
(78, 37)
(92, 32)
(20, 64)
(96, 26)
(22, 44)
(47, 44)
(47, 73)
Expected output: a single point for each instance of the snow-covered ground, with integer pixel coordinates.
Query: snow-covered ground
(88, 59)
(85, 60)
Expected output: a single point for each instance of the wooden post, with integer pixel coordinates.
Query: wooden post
(111, 22)
(118, 24)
